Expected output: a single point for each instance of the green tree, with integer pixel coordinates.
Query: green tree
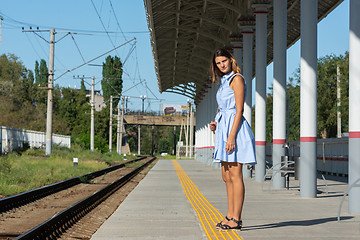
(164, 145)
(326, 101)
(41, 73)
(344, 89)
(75, 110)
(102, 119)
(83, 88)
(111, 83)
(11, 68)
(269, 117)
(16, 93)
(293, 109)
(326, 97)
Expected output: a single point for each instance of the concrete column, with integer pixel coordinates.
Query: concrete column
(139, 142)
(208, 110)
(118, 144)
(354, 106)
(212, 110)
(49, 111)
(236, 42)
(338, 104)
(92, 116)
(110, 123)
(260, 95)
(191, 129)
(247, 71)
(122, 128)
(279, 90)
(308, 98)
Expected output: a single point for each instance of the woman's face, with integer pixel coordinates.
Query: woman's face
(224, 64)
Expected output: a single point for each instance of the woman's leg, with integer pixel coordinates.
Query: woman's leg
(238, 190)
(229, 190)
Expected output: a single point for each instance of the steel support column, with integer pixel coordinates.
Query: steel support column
(354, 106)
(279, 90)
(308, 98)
(260, 95)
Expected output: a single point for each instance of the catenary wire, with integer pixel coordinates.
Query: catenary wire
(78, 31)
(117, 21)
(95, 58)
(77, 47)
(102, 23)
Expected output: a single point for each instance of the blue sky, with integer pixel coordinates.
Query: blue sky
(125, 22)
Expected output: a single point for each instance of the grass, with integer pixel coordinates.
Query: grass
(166, 156)
(134, 165)
(20, 172)
(174, 157)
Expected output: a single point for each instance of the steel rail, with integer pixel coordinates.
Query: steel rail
(60, 222)
(24, 198)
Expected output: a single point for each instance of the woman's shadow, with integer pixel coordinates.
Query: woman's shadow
(293, 223)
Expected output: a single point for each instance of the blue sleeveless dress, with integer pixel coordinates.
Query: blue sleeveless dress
(244, 151)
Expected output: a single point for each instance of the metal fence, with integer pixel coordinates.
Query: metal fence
(184, 152)
(332, 154)
(14, 138)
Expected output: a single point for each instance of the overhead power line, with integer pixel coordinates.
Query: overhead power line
(8, 20)
(102, 23)
(95, 58)
(117, 21)
(77, 47)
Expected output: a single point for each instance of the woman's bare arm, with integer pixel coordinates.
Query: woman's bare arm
(237, 84)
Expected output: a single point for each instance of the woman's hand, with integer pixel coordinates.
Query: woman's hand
(213, 126)
(230, 144)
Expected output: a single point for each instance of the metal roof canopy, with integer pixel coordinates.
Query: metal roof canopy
(184, 34)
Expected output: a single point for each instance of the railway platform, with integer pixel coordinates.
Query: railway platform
(185, 199)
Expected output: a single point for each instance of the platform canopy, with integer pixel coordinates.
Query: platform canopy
(184, 34)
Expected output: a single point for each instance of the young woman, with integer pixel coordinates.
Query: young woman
(235, 143)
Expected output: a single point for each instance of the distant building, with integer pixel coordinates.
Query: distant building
(174, 109)
(99, 99)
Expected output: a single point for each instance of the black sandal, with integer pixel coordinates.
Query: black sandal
(225, 227)
(218, 225)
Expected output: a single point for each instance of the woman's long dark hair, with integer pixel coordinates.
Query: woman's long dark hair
(214, 70)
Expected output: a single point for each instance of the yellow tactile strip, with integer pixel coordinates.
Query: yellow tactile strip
(208, 215)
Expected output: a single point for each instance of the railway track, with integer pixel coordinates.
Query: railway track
(48, 212)
(33, 195)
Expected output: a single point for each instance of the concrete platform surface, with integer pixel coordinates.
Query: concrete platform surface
(159, 208)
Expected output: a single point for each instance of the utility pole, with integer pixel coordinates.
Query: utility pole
(174, 141)
(191, 129)
(50, 94)
(139, 127)
(338, 93)
(143, 99)
(92, 127)
(152, 140)
(110, 123)
(126, 104)
(181, 129)
(187, 129)
(139, 139)
(121, 124)
(49, 112)
(118, 145)
(0, 27)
